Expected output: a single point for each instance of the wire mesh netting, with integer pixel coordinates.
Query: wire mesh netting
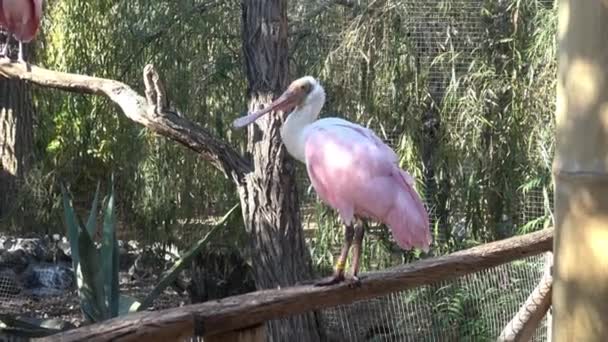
(472, 308)
(445, 39)
(476, 307)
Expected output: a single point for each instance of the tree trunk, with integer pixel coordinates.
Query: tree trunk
(580, 289)
(269, 196)
(16, 139)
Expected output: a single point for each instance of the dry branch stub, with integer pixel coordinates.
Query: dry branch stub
(238, 312)
(152, 115)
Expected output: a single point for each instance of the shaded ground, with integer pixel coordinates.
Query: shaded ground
(67, 307)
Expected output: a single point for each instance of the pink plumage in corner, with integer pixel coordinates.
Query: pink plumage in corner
(21, 18)
(351, 170)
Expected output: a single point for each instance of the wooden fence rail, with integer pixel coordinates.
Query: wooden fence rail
(251, 309)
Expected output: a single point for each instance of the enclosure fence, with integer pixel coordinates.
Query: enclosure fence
(398, 299)
(476, 307)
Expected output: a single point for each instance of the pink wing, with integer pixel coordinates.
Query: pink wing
(21, 17)
(353, 171)
(33, 24)
(2, 17)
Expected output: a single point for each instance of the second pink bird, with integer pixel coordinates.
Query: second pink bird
(21, 18)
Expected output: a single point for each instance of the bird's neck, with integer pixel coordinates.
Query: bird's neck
(293, 131)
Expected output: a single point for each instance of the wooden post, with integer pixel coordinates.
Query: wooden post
(549, 315)
(580, 168)
(253, 334)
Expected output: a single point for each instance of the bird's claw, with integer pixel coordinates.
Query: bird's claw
(354, 281)
(338, 278)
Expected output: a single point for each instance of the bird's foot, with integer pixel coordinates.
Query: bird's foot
(25, 64)
(353, 281)
(335, 279)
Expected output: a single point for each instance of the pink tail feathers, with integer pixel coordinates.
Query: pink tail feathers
(408, 219)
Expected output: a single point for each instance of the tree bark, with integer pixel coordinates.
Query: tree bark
(16, 139)
(269, 197)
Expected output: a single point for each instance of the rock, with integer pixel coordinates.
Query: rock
(37, 249)
(126, 255)
(133, 245)
(147, 264)
(61, 251)
(48, 279)
(6, 242)
(14, 260)
(126, 260)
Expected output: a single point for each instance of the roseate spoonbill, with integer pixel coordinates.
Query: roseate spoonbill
(351, 170)
(20, 18)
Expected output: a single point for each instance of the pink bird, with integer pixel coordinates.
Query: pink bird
(351, 170)
(20, 18)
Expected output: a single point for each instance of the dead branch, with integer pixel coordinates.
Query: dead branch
(238, 312)
(522, 326)
(151, 111)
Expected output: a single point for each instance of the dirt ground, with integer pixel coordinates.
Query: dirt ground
(67, 308)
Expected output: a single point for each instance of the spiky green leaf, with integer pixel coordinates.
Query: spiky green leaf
(72, 227)
(169, 276)
(91, 222)
(109, 256)
(92, 290)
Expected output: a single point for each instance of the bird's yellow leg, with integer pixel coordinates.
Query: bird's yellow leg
(338, 276)
(357, 248)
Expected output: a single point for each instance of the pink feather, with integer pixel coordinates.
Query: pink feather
(21, 18)
(353, 171)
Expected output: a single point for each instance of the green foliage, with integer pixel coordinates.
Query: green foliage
(83, 137)
(97, 270)
(487, 93)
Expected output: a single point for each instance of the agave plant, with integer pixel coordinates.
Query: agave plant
(96, 268)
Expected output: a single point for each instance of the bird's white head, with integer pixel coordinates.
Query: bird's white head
(304, 95)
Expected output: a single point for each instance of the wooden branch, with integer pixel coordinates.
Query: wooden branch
(522, 326)
(150, 111)
(233, 313)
